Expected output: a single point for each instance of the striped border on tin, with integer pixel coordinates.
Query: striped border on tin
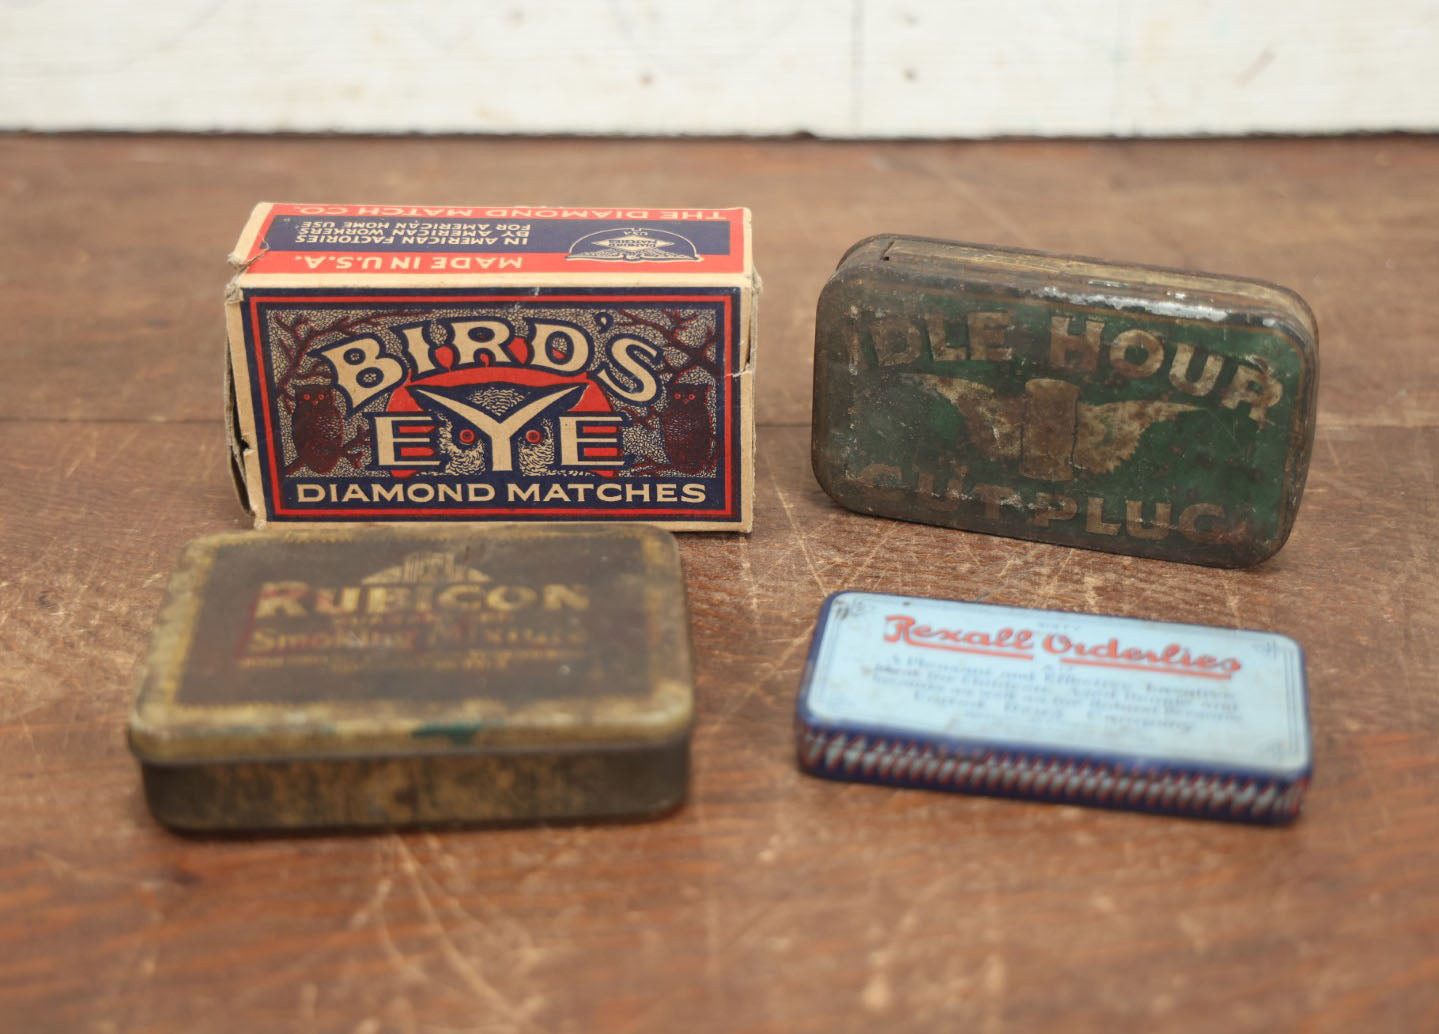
(1036, 775)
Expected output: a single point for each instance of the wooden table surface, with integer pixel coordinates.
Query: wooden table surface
(773, 902)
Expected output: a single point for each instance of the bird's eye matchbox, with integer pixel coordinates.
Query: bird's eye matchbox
(1072, 708)
(402, 363)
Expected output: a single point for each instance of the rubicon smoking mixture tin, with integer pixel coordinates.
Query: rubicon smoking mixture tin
(403, 363)
(1116, 407)
(391, 676)
(1072, 708)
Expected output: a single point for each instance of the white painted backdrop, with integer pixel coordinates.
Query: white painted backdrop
(842, 68)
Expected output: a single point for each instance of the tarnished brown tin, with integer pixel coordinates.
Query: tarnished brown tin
(386, 677)
(1117, 407)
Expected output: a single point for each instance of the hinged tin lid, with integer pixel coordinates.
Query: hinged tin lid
(994, 677)
(394, 642)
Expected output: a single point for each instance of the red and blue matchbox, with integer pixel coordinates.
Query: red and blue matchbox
(1072, 708)
(405, 363)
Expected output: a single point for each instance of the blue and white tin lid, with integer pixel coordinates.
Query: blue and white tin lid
(996, 699)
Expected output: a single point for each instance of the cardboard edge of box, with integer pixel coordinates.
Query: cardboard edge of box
(245, 468)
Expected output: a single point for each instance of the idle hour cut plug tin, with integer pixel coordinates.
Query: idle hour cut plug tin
(388, 677)
(1117, 407)
(1070, 708)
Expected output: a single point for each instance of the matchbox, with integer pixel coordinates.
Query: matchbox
(398, 363)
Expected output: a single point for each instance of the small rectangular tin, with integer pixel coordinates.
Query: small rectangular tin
(460, 364)
(1116, 407)
(396, 676)
(1071, 708)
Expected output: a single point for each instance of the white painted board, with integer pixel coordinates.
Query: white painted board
(867, 68)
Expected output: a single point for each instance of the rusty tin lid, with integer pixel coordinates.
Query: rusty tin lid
(386, 642)
(1118, 407)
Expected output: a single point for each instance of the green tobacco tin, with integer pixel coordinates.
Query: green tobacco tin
(1116, 407)
(382, 677)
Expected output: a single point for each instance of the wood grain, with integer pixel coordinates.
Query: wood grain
(772, 902)
(118, 243)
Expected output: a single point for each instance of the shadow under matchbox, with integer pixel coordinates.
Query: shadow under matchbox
(398, 363)
(1070, 708)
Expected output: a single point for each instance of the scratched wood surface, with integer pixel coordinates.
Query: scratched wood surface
(772, 902)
